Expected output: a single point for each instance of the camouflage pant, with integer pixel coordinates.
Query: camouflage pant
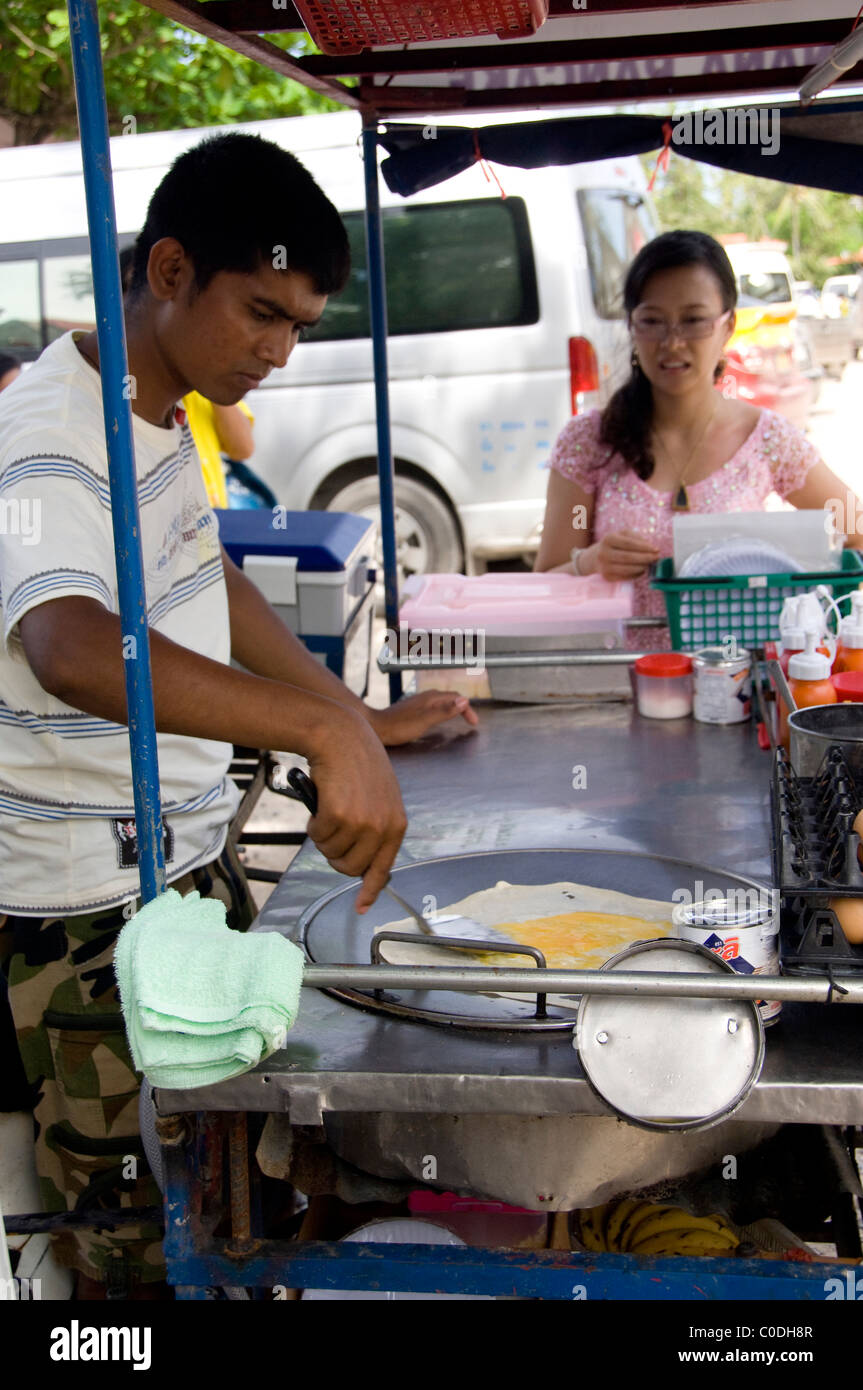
(70, 1030)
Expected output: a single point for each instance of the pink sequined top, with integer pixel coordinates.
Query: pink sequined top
(773, 459)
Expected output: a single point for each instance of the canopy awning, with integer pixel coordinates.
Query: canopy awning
(587, 52)
(819, 146)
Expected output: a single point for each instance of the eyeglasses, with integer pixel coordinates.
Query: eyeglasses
(653, 329)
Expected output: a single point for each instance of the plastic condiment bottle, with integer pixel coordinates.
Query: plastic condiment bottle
(809, 676)
(791, 633)
(799, 615)
(849, 657)
(809, 683)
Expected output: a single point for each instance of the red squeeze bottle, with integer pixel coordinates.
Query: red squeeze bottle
(849, 656)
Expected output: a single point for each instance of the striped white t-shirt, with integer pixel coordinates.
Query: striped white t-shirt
(67, 834)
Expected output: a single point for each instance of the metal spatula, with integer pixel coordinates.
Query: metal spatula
(442, 924)
(450, 924)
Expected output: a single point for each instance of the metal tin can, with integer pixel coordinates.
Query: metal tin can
(723, 685)
(744, 935)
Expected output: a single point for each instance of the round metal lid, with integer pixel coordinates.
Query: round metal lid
(666, 1063)
(718, 659)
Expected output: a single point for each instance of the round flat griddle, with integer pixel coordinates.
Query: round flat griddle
(332, 934)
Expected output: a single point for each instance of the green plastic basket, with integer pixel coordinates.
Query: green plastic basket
(702, 612)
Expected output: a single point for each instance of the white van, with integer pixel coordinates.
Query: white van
(504, 319)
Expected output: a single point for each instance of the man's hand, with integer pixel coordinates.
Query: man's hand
(411, 718)
(74, 648)
(361, 820)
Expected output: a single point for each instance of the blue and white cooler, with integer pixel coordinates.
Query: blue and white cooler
(318, 571)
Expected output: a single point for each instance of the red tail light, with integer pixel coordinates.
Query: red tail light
(583, 370)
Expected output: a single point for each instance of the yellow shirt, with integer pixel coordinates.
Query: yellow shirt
(199, 412)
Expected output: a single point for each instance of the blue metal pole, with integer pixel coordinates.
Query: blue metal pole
(378, 315)
(116, 403)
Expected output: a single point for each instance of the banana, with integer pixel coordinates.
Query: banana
(687, 1242)
(643, 1228)
(640, 1211)
(591, 1227)
(617, 1215)
(673, 1219)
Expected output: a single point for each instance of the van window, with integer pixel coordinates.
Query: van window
(616, 226)
(449, 266)
(842, 286)
(46, 289)
(763, 287)
(20, 325)
(68, 294)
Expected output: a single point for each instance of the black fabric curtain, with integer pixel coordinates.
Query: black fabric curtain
(831, 156)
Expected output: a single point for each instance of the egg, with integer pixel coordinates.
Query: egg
(849, 912)
(580, 940)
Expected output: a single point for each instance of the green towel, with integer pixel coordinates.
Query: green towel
(203, 1002)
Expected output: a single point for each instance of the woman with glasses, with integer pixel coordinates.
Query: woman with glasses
(668, 441)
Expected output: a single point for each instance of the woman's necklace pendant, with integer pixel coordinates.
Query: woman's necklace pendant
(681, 500)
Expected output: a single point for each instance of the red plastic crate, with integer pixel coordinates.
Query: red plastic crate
(350, 26)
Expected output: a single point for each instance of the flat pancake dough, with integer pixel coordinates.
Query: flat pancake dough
(576, 927)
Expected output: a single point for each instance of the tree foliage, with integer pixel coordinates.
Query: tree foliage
(816, 224)
(163, 76)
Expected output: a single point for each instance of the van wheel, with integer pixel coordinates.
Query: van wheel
(427, 537)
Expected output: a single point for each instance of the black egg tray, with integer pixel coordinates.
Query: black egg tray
(811, 941)
(815, 859)
(814, 844)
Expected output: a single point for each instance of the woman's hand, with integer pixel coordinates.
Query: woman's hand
(619, 555)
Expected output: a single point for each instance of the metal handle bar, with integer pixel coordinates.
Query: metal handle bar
(650, 984)
(461, 944)
(508, 659)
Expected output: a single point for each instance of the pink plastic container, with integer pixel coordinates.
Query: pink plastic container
(480, 1222)
(514, 605)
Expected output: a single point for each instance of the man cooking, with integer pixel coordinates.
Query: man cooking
(207, 310)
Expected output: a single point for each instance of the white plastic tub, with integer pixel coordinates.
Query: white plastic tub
(663, 685)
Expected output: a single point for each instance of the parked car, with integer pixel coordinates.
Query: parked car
(505, 318)
(763, 353)
(842, 299)
(828, 339)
